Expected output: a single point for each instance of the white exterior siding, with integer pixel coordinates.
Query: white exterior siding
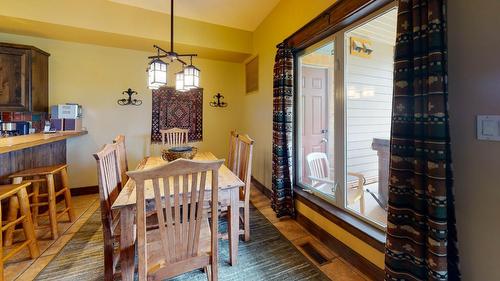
(369, 105)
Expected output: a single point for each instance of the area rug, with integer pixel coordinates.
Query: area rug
(268, 256)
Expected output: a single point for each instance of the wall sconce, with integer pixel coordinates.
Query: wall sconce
(217, 101)
(129, 100)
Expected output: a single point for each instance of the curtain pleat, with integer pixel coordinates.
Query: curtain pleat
(421, 232)
(282, 199)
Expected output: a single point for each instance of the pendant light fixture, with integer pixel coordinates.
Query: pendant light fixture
(187, 79)
(191, 77)
(179, 81)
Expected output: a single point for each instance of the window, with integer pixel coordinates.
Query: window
(344, 105)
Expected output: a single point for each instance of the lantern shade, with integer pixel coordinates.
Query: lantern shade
(191, 77)
(179, 81)
(157, 73)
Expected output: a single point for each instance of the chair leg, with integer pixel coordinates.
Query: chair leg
(29, 230)
(362, 202)
(35, 200)
(11, 216)
(246, 221)
(67, 194)
(208, 271)
(109, 268)
(52, 206)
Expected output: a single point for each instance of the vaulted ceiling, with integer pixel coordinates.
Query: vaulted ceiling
(241, 14)
(214, 29)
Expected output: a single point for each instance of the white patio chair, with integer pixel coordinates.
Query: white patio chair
(319, 174)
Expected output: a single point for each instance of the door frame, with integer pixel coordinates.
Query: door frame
(297, 117)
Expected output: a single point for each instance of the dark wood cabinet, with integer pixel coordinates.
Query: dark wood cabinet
(24, 78)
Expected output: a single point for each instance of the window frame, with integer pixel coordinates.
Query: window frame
(340, 110)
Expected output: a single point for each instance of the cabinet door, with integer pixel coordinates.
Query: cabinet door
(15, 71)
(39, 82)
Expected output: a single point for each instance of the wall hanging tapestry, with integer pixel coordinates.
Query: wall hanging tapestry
(421, 233)
(173, 109)
(282, 199)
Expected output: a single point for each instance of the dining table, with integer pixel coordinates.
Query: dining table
(125, 205)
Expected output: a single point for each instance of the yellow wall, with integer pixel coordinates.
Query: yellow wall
(370, 253)
(285, 19)
(95, 76)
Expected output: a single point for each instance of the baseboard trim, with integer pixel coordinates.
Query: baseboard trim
(262, 188)
(85, 190)
(357, 260)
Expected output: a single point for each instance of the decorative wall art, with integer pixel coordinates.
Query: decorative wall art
(174, 109)
(361, 47)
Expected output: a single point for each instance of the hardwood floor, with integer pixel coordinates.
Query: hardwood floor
(335, 268)
(22, 268)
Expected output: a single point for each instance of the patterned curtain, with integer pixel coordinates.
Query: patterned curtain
(282, 199)
(421, 232)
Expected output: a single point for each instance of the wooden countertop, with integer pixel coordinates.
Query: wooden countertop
(9, 144)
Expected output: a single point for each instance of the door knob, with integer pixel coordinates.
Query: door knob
(324, 140)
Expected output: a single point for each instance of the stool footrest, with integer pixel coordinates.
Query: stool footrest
(58, 214)
(12, 223)
(39, 204)
(16, 250)
(61, 191)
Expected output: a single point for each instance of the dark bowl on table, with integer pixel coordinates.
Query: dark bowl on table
(186, 152)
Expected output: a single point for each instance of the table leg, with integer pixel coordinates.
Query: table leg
(234, 226)
(127, 245)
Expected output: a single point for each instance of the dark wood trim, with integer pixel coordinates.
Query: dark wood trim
(357, 260)
(19, 46)
(93, 189)
(338, 16)
(262, 188)
(357, 227)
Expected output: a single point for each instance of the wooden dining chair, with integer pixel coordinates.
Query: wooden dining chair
(174, 137)
(108, 174)
(183, 241)
(119, 141)
(243, 169)
(319, 174)
(231, 158)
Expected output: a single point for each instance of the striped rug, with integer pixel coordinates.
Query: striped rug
(268, 256)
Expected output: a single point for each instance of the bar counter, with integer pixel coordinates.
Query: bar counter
(9, 144)
(32, 151)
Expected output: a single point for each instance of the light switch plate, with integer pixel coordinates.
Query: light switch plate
(488, 127)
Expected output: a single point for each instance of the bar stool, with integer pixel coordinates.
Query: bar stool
(46, 174)
(18, 200)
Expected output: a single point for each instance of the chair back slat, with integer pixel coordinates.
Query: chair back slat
(243, 169)
(318, 166)
(233, 143)
(174, 137)
(161, 226)
(183, 198)
(122, 156)
(108, 173)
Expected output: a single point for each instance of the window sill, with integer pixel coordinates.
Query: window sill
(357, 227)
